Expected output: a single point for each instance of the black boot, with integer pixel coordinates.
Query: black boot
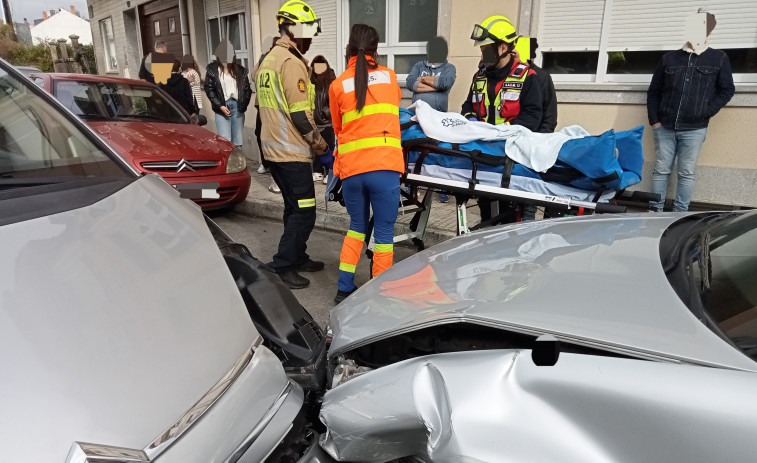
(294, 280)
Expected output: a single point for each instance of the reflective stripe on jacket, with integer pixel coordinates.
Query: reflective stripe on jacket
(283, 84)
(508, 91)
(367, 140)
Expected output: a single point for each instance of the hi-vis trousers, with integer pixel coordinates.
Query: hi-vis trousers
(379, 191)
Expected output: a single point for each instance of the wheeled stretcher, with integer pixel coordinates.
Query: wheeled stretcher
(589, 175)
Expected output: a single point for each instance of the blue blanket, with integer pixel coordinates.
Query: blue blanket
(611, 161)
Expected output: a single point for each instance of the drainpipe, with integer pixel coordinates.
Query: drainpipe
(185, 46)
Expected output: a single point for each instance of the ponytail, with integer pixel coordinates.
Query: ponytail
(363, 40)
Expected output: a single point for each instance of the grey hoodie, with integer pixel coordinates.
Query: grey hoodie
(444, 77)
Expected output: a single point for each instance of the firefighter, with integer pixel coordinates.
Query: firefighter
(504, 90)
(289, 137)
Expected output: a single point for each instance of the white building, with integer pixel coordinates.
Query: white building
(60, 26)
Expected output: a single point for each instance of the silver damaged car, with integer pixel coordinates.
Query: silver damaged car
(626, 338)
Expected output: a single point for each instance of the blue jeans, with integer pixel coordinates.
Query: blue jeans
(380, 191)
(669, 144)
(231, 127)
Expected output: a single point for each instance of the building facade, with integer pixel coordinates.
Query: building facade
(601, 54)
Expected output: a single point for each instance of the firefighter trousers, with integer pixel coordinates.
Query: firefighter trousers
(295, 179)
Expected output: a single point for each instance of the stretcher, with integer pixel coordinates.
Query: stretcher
(590, 175)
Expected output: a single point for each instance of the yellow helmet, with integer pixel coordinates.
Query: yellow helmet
(523, 47)
(302, 16)
(494, 29)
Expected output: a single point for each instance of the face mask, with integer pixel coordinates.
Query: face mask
(489, 56)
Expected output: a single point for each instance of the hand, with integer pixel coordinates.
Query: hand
(225, 111)
(656, 125)
(190, 78)
(428, 80)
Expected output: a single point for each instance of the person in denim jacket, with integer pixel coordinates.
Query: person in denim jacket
(688, 87)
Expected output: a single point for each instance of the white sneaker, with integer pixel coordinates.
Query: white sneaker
(273, 188)
(325, 179)
(317, 176)
(262, 169)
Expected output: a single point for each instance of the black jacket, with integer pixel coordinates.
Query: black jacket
(530, 115)
(144, 74)
(214, 90)
(549, 100)
(181, 91)
(688, 89)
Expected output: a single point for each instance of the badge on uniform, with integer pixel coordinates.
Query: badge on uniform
(511, 96)
(301, 86)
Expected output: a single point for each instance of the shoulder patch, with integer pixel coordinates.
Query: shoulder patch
(301, 86)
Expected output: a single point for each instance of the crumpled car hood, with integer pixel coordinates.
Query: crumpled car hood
(114, 320)
(498, 406)
(596, 281)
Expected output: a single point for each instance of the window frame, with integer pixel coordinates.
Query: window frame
(601, 76)
(110, 56)
(392, 46)
(242, 54)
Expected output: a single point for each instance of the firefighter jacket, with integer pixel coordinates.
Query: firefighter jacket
(508, 95)
(367, 140)
(288, 133)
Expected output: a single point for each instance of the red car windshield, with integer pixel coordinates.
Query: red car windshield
(117, 101)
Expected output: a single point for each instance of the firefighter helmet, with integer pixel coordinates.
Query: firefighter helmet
(301, 17)
(494, 29)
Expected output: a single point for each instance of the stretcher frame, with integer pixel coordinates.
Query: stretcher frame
(463, 191)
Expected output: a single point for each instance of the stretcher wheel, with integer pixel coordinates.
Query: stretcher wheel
(419, 244)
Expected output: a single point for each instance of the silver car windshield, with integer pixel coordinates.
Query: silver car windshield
(725, 271)
(38, 141)
(117, 101)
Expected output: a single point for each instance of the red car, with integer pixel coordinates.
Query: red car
(151, 131)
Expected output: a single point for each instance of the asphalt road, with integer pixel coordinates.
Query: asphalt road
(262, 238)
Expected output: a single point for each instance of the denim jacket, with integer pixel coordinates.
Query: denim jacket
(688, 89)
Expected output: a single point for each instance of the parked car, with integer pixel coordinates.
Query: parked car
(27, 70)
(132, 329)
(151, 131)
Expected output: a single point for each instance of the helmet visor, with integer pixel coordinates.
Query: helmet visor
(480, 33)
(306, 30)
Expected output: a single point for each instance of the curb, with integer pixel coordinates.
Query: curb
(333, 222)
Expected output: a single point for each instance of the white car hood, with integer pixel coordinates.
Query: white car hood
(114, 320)
(596, 281)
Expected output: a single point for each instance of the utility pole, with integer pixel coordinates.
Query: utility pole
(7, 16)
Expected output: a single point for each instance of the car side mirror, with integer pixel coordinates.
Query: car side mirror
(199, 119)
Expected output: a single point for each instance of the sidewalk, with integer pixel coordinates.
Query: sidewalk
(331, 216)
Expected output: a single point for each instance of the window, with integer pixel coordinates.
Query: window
(156, 27)
(404, 27)
(622, 40)
(171, 25)
(109, 44)
(233, 28)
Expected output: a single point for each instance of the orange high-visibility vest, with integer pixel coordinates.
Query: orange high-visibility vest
(367, 140)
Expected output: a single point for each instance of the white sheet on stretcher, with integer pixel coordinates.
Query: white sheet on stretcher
(537, 151)
(533, 185)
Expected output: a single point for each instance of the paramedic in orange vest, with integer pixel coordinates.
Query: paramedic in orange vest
(504, 90)
(364, 103)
